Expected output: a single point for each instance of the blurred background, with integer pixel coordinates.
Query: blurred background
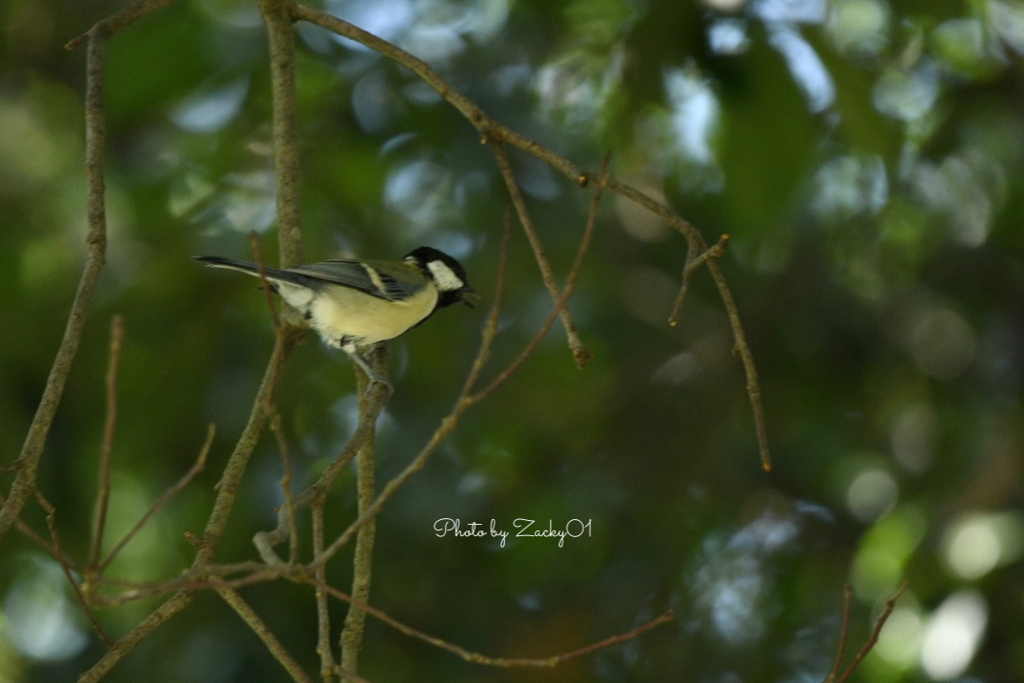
(864, 156)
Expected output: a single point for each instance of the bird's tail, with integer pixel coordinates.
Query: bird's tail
(249, 268)
(230, 264)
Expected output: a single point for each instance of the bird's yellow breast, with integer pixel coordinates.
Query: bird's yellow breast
(338, 312)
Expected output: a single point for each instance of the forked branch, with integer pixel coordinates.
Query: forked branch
(834, 676)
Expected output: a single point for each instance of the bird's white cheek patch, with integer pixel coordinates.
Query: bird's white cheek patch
(444, 277)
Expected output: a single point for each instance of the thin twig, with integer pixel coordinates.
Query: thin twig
(741, 347)
(391, 51)
(691, 254)
(890, 605)
(164, 498)
(693, 264)
(376, 399)
(213, 569)
(507, 662)
(490, 328)
(96, 240)
(103, 495)
(489, 129)
(27, 531)
(259, 627)
(286, 485)
(664, 618)
(300, 574)
(671, 218)
(323, 615)
(698, 245)
(51, 524)
(844, 633)
(191, 581)
(579, 352)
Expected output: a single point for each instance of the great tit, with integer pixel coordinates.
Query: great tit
(355, 304)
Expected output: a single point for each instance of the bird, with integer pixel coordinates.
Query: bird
(354, 304)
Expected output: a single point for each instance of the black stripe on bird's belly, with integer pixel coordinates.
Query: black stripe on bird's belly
(348, 342)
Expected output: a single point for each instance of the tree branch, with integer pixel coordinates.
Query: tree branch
(127, 643)
(260, 628)
(277, 14)
(505, 662)
(24, 484)
(227, 487)
(118, 21)
(351, 639)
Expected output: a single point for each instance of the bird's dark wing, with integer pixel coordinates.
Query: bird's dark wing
(361, 275)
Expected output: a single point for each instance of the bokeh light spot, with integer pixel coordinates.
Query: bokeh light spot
(871, 494)
(39, 618)
(952, 635)
(978, 543)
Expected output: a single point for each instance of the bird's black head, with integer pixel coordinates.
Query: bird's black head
(447, 274)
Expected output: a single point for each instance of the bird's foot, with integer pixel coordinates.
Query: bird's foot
(371, 375)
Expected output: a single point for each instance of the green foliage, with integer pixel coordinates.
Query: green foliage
(865, 159)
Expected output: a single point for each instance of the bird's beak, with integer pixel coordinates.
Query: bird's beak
(467, 293)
